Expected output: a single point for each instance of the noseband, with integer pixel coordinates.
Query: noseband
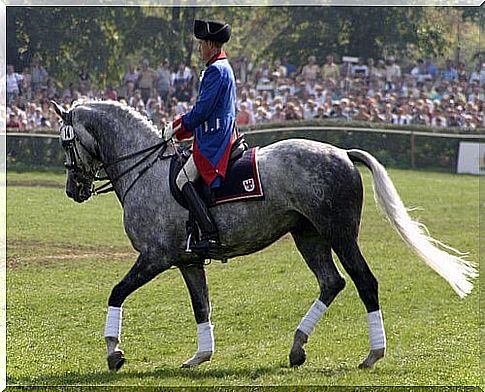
(74, 162)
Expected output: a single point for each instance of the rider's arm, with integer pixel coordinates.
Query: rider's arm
(206, 101)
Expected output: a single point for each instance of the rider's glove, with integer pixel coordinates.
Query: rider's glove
(172, 128)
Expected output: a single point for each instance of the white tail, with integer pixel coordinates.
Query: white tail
(456, 270)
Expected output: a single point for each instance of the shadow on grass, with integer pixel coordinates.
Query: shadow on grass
(106, 377)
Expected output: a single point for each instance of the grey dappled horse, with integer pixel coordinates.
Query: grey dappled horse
(312, 190)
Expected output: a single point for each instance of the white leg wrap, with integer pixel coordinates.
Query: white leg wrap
(113, 322)
(205, 337)
(313, 316)
(377, 336)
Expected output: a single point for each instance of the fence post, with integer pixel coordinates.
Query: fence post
(413, 150)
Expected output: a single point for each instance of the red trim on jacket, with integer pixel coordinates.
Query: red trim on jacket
(207, 171)
(183, 133)
(219, 56)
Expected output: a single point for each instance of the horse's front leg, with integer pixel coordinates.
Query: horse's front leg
(196, 282)
(145, 269)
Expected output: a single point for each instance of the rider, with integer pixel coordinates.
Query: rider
(212, 123)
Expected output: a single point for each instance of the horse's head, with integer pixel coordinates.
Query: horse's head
(82, 154)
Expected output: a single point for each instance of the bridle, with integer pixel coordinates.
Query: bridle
(84, 172)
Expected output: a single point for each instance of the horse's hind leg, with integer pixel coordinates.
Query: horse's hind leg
(145, 269)
(196, 282)
(318, 255)
(354, 263)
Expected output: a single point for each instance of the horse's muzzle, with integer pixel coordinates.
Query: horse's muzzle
(79, 191)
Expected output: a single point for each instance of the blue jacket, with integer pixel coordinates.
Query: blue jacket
(212, 120)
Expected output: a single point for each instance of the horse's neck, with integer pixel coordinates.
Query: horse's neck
(126, 141)
(122, 141)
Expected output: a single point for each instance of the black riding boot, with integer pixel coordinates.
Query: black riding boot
(210, 239)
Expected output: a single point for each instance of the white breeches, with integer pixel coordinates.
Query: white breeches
(188, 173)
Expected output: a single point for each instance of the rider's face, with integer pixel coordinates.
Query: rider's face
(205, 49)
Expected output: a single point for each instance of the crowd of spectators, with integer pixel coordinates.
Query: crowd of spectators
(353, 89)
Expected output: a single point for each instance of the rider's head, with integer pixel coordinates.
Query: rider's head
(212, 36)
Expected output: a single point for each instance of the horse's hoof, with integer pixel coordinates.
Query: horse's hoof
(372, 358)
(116, 360)
(197, 359)
(297, 356)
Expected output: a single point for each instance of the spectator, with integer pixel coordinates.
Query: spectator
(478, 74)
(245, 99)
(362, 114)
(462, 72)
(244, 116)
(261, 116)
(84, 79)
(360, 70)
(452, 118)
(147, 78)
(311, 70)
(375, 116)
(39, 74)
(280, 69)
(26, 85)
(321, 112)
(420, 72)
(290, 68)
(181, 76)
(449, 73)
(164, 80)
(330, 69)
(468, 122)
(310, 110)
(14, 81)
(38, 116)
(130, 80)
(291, 112)
(51, 90)
(431, 69)
(438, 120)
(372, 69)
(70, 93)
(393, 74)
(111, 93)
(135, 100)
(336, 111)
(476, 94)
(13, 121)
(401, 117)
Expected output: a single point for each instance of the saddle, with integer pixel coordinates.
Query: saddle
(178, 161)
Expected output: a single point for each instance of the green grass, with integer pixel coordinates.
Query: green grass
(64, 259)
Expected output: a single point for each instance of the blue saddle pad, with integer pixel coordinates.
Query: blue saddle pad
(242, 180)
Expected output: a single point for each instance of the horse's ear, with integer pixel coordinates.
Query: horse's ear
(60, 111)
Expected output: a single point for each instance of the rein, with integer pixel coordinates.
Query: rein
(75, 162)
(108, 186)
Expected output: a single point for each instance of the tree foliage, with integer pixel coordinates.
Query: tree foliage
(104, 39)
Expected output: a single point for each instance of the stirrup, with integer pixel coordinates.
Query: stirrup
(207, 245)
(188, 248)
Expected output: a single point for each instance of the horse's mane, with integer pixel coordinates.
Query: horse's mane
(125, 113)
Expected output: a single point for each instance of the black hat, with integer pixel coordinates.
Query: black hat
(211, 30)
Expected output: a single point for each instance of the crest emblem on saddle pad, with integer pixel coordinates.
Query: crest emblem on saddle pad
(249, 185)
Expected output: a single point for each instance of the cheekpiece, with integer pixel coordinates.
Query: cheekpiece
(211, 30)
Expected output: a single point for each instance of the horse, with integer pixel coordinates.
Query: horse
(312, 191)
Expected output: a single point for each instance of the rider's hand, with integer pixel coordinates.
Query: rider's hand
(168, 131)
(172, 128)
